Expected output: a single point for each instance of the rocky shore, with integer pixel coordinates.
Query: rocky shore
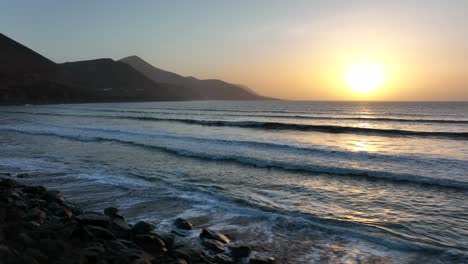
(38, 226)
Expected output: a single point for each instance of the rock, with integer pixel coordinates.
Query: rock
(93, 219)
(80, 233)
(262, 260)
(112, 212)
(7, 183)
(223, 259)
(7, 253)
(54, 196)
(210, 234)
(142, 228)
(182, 224)
(75, 209)
(167, 238)
(240, 252)
(36, 254)
(25, 240)
(100, 232)
(37, 203)
(180, 254)
(120, 223)
(37, 215)
(213, 245)
(150, 243)
(35, 190)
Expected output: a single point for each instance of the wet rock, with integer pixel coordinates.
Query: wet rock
(262, 260)
(35, 190)
(167, 238)
(37, 203)
(80, 233)
(223, 259)
(112, 212)
(142, 228)
(151, 243)
(54, 196)
(25, 240)
(36, 254)
(180, 254)
(37, 215)
(93, 219)
(100, 232)
(7, 253)
(7, 183)
(240, 252)
(214, 245)
(210, 234)
(182, 224)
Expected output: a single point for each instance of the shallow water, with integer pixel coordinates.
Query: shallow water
(307, 181)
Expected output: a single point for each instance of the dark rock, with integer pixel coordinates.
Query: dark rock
(262, 260)
(25, 240)
(180, 254)
(93, 219)
(100, 232)
(213, 245)
(37, 215)
(210, 234)
(54, 196)
(182, 224)
(223, 259)
(112, 212)
(35, 190)
(75, 209)
(37, 203)
(142, 228)
(167, 238)
(7, 183)
(36, 254)
(120, 223)
(80, 233)
(150, 243)
(7, 253)
(239, 252)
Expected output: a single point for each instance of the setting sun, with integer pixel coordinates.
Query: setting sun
(365, 77)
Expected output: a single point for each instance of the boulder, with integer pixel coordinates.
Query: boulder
(142, 228)
(34, 190)
(37, 215)
(100, 232)
(213, 245)
(112, 212)
(210, 234)
(182, 224)
(93, 219)
(151, 243)
(223, 259)
(262, 260)
(54, 196)
(240, 252)
(167, 238)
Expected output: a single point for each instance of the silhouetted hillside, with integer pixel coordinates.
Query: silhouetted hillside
(196, 89)
(28, 77)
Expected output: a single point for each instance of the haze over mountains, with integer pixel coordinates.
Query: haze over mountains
(28, 77)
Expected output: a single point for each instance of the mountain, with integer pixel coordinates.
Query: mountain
(28, 77)
(194, 88)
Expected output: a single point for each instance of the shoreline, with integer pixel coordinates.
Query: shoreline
(39, 226)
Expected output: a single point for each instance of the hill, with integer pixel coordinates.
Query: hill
(194, 88)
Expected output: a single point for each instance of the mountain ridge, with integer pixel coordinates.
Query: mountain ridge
(28, 77)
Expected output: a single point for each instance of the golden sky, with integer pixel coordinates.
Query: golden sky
(297, 50)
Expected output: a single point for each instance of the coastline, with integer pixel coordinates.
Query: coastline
(39, 226)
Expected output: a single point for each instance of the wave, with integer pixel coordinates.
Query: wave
(281, 126)
(285, 116)
(255, 162)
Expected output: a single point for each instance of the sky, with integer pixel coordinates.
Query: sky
(294, 49)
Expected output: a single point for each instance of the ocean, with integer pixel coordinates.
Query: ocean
(308, 182)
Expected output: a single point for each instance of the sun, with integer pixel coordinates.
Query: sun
(365, 77)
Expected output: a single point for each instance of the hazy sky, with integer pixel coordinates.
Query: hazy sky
(287, 49)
